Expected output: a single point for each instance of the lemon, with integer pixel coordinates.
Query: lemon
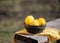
(35, 23)
(29, 20)
(41, 21)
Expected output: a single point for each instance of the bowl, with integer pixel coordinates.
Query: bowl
(34, 29)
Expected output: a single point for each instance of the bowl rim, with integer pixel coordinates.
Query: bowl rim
(33, 25)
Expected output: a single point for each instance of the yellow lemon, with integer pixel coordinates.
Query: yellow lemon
(35, 23)
(41, 21)
(29, 20)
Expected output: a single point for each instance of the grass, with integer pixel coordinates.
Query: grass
(8, 28)
(5, 37)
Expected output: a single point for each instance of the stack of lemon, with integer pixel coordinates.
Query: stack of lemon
(29, 20)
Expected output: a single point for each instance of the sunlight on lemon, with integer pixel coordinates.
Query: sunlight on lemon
(29, 20)
(35, 23)
(42, 21)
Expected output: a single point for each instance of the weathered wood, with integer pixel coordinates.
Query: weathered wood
(25, 38)
(54, 24)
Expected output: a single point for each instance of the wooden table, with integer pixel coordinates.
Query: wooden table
(30, 38)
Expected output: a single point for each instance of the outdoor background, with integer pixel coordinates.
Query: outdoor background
(13, 13)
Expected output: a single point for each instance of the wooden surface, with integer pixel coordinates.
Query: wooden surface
(54, 24)
(29, 38)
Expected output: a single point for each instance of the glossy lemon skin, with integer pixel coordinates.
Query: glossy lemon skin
(42, 21)
(29, 20)
(35, 23)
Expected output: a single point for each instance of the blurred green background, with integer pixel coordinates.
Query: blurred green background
(13, 13)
